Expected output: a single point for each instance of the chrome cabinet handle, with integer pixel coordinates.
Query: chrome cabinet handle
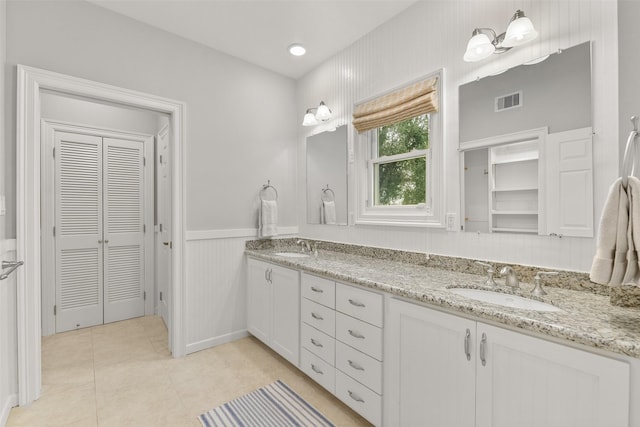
(356, 303)
(316, 343)
(318, 290)
(99, 242)
(316, 316)
(356, 334)
(483, 349)
(355, 366)
(316, 370)
(355, 397)
(266, 274)
(467, 344)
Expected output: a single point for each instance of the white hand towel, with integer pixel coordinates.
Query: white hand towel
(329, 208)
(632, 273)
(610, 262)
(268, 218)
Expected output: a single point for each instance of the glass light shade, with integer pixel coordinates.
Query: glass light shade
(323, 114)
(479, 48)
(309, 119)
(518, 32)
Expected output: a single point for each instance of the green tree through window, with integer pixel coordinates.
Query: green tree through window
(402, 180)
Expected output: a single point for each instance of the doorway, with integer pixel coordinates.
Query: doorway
(97, 226)
(31, 82)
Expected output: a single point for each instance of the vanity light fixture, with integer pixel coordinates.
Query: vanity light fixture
(322, 114)
(484, 42)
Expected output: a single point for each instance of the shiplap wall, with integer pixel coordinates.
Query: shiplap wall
(431, 35)
(215, 295)
(8, 337)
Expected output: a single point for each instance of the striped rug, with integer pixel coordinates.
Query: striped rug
(275, 405)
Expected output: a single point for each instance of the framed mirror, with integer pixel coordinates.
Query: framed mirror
(525, 139)
(327, 177)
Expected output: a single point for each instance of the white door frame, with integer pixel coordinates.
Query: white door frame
(30, 82)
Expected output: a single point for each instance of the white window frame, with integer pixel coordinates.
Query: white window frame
(431, 214)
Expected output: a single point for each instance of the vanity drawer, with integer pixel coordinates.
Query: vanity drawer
(318, 343)
(319, 370)
(359, 366)
(318, 316)
(358, 303)
(359, 398)
(359, 335)
(320, 290)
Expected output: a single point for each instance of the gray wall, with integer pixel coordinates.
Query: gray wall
(556, 93)
(629, 66)
(82, 111)
(228, 157)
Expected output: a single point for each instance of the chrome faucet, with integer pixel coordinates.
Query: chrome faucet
(305, 245)
(512, 278)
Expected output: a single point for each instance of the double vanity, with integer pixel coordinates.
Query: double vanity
(403, 342)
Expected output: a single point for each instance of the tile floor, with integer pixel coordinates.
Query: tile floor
(122, 374)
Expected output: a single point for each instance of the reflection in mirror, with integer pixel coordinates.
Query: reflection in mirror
(517, 130)
(327, 177)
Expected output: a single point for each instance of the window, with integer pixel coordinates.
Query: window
(399, 163)
(400, 159)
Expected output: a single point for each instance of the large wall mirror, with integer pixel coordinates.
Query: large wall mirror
(327, 177)
(525, 138)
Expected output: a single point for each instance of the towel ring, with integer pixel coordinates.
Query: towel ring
(265, 191)
(328, 195)
(630, 152)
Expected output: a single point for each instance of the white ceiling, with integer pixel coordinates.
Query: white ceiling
(260, 31)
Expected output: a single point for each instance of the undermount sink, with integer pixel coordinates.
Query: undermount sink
(292, 254)
(506, 300)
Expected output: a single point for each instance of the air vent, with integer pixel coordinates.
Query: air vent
(507, 102)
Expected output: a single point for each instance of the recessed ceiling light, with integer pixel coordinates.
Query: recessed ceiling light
(297, 50)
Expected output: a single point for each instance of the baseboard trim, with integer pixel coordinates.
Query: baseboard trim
(212, 342)
(234, 233)
(11, 402)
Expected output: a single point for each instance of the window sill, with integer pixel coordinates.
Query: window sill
(390, 222)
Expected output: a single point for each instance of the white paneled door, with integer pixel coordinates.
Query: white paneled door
(163, 232)
(123, 229)
(99, 251)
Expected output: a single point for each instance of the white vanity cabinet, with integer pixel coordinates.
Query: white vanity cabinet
(273, 307)
(445, 370)
(342, 342)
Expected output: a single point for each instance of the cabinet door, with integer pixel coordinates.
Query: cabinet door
(528, 381)
(258, 297)
(428, 378)
(285, 302)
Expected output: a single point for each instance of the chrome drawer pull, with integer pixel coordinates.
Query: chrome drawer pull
(483, 349)
(316, 370)
(356, 303)
(467, 344)
(316, 316)
(356, 334)
(316, 343)
(318, 290)
(355, 397)
(355, 366)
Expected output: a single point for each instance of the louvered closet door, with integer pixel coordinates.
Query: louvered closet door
(78, 230)
(123, 230)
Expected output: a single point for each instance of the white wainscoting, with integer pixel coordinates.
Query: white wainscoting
(215, 290)
(431, 35)
(8, 337)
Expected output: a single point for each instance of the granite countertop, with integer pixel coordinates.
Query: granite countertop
(586, 318)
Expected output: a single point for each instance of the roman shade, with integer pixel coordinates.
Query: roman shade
(402, 104)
